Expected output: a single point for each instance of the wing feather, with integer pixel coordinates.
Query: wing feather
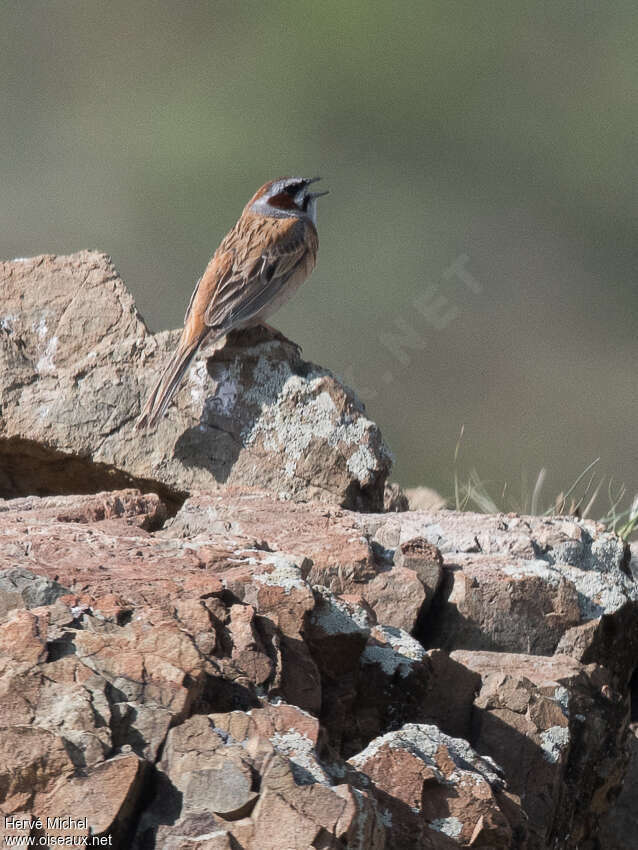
(253, 280)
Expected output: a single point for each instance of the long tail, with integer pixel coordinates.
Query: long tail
(168, 384)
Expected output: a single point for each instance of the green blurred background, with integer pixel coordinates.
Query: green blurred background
(502, 132)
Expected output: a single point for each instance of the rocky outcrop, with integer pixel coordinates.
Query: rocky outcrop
(524, 584)
(210, 649)
(76, 363)
(558, 730)
(232, 677)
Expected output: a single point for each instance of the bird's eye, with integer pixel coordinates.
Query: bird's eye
(293, 188)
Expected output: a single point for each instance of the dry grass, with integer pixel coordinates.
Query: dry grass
(588, 495)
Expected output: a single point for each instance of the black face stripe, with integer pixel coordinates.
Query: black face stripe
(294, 188)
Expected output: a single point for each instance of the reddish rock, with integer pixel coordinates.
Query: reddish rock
(285, 728)
(196, 682)
(247, 775)
(145, 510)
(340, 557)
(106, 796)
(378, 677)
(422, 557)
(337, 632)
(283, 599)
(523, 584)
(201, 684)
(65, 698)
(397, 597)
(31, 760)
(495, 603)
(22, 641)
(114, 558)
(154, 665)
(428, 782)
(248, 652)
(558, 731)
(398, 682)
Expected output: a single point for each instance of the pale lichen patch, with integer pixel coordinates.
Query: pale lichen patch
(287, 574)
(334, 616)
(296, 410)
(451, 826)
(399, 653)
(554, 742)
(301, 752)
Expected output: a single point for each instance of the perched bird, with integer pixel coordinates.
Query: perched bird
(259, 265)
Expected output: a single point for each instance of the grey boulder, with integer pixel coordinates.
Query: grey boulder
(77, 361)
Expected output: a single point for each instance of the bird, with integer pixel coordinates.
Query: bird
(259, 265)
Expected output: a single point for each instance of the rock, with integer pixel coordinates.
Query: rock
(567, 540)
(283, 599)
(378, 677)
(499, 603)
(77, 362)
(237, 777)
(619, 827)
(397, 597)
(401, 595)
(230, 677)
(22, 641)
(199, 775)
(19, 588)
(31, 760)
(314, 816)
(426, 781)
(65, 698)
(523, 584)
(145, 511)
(394, 499)
(426, 561)
(114, 557)
(248, 652)
(339, 552)
(558, 732)
(345, 563)
(106, 796)
(399, 682)
(607, 640)
(287, 729)
(158, 666)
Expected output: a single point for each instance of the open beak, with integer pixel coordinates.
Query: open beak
(315, 194)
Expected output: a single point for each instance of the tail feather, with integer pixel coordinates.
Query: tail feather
(167, 385)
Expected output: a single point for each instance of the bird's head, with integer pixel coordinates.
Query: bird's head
(287, 197)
